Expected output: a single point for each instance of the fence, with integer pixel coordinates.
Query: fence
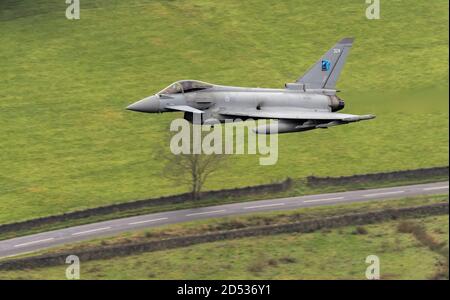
(386, 176)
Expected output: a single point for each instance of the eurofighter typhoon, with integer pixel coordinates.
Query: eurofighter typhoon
(306, 104)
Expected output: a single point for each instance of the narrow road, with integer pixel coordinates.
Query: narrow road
(48, 239)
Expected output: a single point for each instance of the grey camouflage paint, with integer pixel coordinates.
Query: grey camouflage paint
(309, 103)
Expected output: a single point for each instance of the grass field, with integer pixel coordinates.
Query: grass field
(67, 143)
(285, 256)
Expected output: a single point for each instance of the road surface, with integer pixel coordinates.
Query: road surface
(48, 239)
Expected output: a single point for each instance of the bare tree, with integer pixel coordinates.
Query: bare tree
(190, 169)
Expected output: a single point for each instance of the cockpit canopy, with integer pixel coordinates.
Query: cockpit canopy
(185, 86)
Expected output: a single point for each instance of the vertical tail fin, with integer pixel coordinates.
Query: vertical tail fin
(325, 73)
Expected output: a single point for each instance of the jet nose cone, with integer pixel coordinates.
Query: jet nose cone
(149, 105)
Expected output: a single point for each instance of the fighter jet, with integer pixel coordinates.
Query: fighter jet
(309, 103)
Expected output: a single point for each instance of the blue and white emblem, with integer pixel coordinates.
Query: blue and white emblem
(326, 65)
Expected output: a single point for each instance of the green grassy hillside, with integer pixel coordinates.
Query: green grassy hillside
(67, 143)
